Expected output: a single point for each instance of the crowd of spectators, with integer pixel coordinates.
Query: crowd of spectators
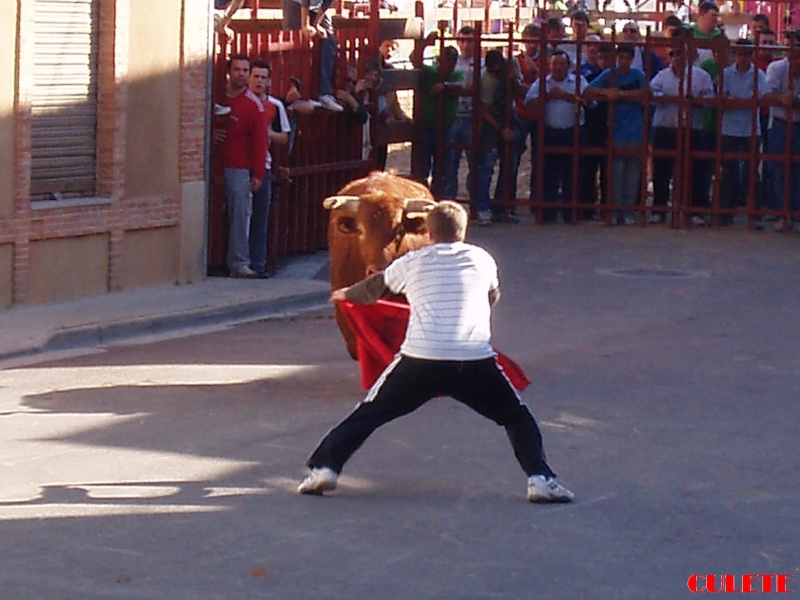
(615, 113)
(621, 125)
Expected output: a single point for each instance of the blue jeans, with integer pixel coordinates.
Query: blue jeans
(488, 154)
(239, 204)
(430, 163)
(327, 58)
(462, 134)
(627, 170)
(735, 177)
(259, 225)
(776, 144)
(486, 162)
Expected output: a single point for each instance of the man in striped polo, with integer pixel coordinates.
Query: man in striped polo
(450, 286)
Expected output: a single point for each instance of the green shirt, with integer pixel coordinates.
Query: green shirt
(430, 102)
(710, 66)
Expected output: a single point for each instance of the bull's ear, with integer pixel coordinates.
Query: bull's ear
(347, 225)
(346, 202)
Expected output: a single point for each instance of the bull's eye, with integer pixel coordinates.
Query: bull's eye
(347, 225)
(416, 225)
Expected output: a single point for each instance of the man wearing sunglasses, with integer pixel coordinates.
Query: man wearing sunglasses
(643, 59)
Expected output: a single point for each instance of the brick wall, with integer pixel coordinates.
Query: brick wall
(113, 213)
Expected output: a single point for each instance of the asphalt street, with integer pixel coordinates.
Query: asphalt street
(665, 380)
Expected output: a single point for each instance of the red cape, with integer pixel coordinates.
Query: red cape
(380, 328)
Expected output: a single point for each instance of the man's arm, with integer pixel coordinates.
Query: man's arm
(366, 291)
(494, 295)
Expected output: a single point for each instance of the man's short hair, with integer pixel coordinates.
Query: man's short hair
(673, 21)
(450, 52)
(761, 18)
(493, 58)
(447, 222)
(707, 6)
(238, 57)
(555, 23)
(560, 52)
(532, 30)
(625, 49)
(261, 64)
(467, 30)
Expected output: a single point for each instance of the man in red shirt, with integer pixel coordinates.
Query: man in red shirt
(245, 159)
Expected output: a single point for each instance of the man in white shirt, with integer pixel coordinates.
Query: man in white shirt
(278, 132)
(679, 79)
(562, 115)
(785, 115)
(463, 123)
(740, 82)
(451, 287)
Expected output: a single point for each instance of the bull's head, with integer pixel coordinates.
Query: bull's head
(373, 220)
(382, 228)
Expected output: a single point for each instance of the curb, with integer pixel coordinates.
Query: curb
(99, 334)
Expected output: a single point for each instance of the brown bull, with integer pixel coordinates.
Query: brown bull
(373, 220)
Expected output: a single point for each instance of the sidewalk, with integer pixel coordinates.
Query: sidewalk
(301, 283)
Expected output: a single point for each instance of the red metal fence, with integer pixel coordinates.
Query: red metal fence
(686, 156)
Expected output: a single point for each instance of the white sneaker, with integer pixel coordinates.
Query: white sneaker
(313, 103)
(243, 273)
(329, 102)
(546, 489)
(698, 221)
(319, 481)
(485, 218)
(630, 221)
(221, 110)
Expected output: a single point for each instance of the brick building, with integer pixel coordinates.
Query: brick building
(103, 120)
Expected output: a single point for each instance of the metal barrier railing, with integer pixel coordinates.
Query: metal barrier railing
(689, 159)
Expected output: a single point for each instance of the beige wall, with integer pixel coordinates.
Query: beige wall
(8, 34)
(154, 96)
(68, 268)
(6, 275)
(150, 257)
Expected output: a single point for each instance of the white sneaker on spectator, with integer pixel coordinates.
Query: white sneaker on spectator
(698, 221)
(243, 273)
(484, 218)
(629, 221)
(314, 103)
(656, 218)
(319, 481)
(546, 489)
(329, 102)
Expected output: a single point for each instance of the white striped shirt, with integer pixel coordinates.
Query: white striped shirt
(447, 286)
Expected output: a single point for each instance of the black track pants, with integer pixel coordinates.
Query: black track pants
(408, 383)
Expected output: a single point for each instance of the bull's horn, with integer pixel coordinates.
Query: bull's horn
(415, 205)
(332, 202)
